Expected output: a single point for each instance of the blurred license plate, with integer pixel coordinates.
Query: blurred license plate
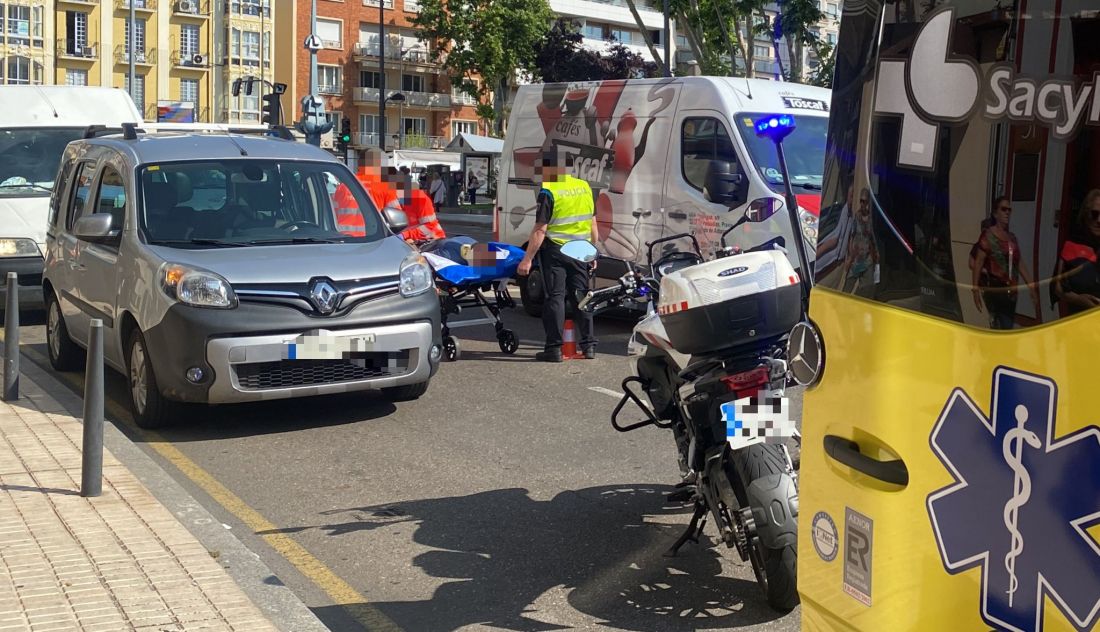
(328, 347)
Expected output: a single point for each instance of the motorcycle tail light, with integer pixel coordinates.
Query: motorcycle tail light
(747, 383)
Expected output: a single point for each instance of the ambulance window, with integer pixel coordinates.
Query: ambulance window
(702, 140)
(960, 182)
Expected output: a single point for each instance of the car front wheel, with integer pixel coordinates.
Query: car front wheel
(149, 407)
(64, 354)
(406, 392)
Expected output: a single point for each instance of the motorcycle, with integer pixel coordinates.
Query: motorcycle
(711, 349)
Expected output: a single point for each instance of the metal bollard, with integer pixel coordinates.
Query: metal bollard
(91, 471)
(11, 340)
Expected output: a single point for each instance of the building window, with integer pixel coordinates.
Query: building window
(593, 31)
(623, 36)
(76, 32)
(267, 48)
(369, 127)
(245, 47)
(831, 9)
(374, 3)
(138, 93)
(831, 38)
(412, 83)
(18, 28)
(251, 7)
(139, 39)
(414, 126)
(331, 33)
(76, 77)
(370, 79)
(328, 79)
(245, 108)
(22, 71)
(189, 91)
(762, 52)
(463, 127)
(189, 41)
(412, 6)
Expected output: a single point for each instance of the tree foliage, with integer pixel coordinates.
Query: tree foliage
(562, 58)
(822, 76)
(492, 39)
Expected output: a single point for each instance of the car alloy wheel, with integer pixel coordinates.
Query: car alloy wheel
(138, 381)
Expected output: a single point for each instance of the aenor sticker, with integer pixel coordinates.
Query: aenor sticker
(153, 168)
(858, 540)
(747, 121)
(824, 536)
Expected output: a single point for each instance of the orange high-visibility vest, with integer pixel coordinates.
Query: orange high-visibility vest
(349, 219)
(383, 194)
(423, 224)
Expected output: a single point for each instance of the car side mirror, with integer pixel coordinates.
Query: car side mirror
(395, 219)
(95, 228)
(722, 184)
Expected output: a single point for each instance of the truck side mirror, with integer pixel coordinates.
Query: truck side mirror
(722, 184)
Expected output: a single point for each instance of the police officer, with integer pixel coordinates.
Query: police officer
(565, 213)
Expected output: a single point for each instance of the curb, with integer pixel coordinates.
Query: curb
(466, 219)
(274, 599)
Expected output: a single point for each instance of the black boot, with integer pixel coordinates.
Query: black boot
(549, 355)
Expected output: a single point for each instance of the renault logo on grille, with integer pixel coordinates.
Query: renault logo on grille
(324, 295)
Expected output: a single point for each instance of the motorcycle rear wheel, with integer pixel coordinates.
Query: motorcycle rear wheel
(779, 563)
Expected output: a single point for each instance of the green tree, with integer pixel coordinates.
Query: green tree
(561, 57)
(823, 75)
(795, 25)
(492, 39)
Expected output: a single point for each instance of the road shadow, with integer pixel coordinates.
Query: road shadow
(506, 558)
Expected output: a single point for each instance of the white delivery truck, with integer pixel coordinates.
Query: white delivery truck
(663, 157)
(36, 125)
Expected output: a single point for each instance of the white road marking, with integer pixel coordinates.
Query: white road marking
(606, 391)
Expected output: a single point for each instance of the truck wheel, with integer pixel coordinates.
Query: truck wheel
(762, 469)
(64, 354)
(149, 407)
(407, 392)
(531, 294)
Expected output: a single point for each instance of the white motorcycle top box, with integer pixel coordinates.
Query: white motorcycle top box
(743, 299)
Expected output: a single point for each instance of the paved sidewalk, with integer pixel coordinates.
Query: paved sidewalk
(117, 562)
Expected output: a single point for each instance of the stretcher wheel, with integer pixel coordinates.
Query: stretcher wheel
(508, 341)
(451, 350)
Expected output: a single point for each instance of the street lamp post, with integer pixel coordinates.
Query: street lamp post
(399, 98)
(382, 75)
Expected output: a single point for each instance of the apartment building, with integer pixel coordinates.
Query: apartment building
(172, 43)
(26, 37)
(605, 22)
(350, 71)
(245, 47)
(771, 63)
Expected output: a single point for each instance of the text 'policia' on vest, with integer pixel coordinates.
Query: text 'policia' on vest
(573, 209)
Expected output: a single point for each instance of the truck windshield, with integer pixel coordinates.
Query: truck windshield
(29, 159)
(237, 203)
(804, 150)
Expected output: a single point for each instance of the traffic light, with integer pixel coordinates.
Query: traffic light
(344, 139)
(237, 87)
(272, 109)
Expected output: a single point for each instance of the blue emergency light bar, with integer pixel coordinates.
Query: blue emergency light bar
(776, 127)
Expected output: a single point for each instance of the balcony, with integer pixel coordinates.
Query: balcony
(409, 55)
(141, 57)
(416, 141)
(364, 139)
(190, 60)
(432, 100)
(141, 6)
(77, 51)
(192, 9)
(83, 3)
(463, 99)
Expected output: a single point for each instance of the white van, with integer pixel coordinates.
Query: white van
(37, 123)
(650, 147)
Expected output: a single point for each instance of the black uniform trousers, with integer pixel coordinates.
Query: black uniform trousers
(564, 279)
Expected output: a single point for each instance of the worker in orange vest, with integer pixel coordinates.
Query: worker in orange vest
(418, 207)
(349, 217)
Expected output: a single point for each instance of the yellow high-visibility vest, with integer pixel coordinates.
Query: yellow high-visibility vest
(573, 209)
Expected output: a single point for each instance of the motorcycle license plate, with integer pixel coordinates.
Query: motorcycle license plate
(763, 417)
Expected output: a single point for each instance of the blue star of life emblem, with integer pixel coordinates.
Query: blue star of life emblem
(1021, 504)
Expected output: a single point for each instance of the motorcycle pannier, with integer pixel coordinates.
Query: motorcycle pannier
(730, 302)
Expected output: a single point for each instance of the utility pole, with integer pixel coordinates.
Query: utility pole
(314, 122)
(132, 53)
(668, 43)
(381, 76)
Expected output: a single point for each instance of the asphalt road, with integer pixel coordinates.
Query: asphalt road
(502, 499)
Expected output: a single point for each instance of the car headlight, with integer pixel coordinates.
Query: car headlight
(809, 227)
(18, 247)
(195, 287)
(416, 276)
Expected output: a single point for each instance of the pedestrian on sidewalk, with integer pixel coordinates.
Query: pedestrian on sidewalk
(472, 184)
(564, 213)
(437, 191)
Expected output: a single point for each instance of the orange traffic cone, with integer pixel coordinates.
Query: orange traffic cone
(569, 342)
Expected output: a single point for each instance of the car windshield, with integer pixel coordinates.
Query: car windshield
(804, 150)
(29, 159)
(241, 202)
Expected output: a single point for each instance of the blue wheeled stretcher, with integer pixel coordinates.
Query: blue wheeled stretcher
(465, 268)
